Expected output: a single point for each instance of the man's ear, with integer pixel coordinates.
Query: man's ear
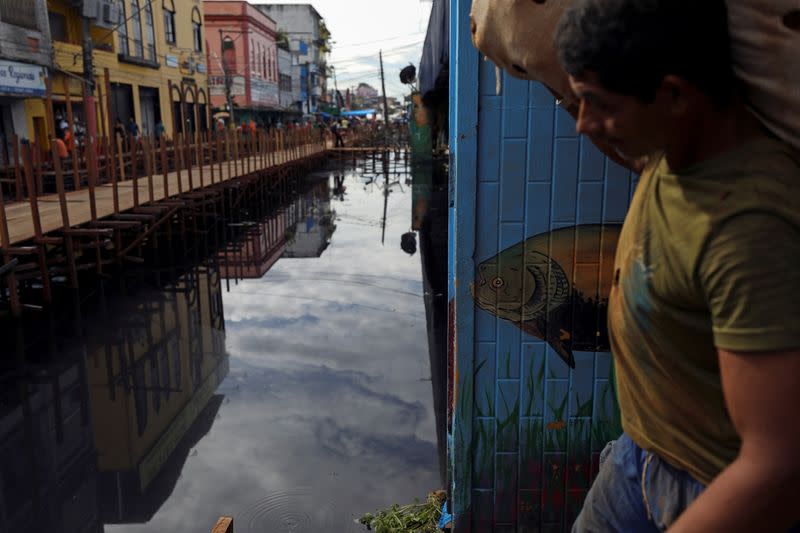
(677, 93)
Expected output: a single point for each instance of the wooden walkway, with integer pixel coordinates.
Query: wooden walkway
(20, 218)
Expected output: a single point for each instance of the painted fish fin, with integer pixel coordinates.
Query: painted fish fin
(531, 328)
(562, 350)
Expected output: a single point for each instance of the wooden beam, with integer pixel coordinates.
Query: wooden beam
(224, 525)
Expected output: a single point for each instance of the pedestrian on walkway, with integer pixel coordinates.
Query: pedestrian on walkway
(337, 134)
(61, 149)
(704, 314)
(133, 131)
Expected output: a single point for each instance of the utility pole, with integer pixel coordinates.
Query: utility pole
(88, 94)
(336, 92)
(383, 87)
(308, 86)
(228, 81)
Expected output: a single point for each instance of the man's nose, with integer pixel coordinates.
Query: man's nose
(586, 123)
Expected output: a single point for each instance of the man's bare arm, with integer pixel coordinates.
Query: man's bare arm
(760, 490)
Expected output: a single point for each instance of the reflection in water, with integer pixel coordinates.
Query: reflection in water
(141, 406)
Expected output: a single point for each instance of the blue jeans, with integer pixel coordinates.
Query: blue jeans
(636, 492)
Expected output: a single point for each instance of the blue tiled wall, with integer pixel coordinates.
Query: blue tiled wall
(534, 427)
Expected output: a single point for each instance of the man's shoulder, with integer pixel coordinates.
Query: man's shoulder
(760, 175)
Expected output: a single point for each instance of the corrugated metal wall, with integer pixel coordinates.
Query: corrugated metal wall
(526, 429)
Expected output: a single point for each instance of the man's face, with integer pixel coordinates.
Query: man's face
(633, 128)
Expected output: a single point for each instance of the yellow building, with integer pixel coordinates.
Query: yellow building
(155, 42)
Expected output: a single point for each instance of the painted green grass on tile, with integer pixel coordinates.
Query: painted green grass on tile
(534, 385)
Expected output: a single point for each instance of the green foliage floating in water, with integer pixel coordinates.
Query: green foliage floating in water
(414, 518)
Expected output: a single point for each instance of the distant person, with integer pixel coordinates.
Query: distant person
(337, 133)
(69, 140)
(133, 128)
(60, 146)
(160, 130)
(63, 125)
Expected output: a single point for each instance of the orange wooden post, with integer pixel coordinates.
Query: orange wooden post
(72, 147)
(134, 170)
(90, 156)
(17, 173)
(201, 156)
(218, 154)
(212, 152)
(37, 223)
(223, 525)
(62, 198)
(112, 139)
(164, 167)
(187, 146)
(148, 167)
(176, 156)
(227, 154)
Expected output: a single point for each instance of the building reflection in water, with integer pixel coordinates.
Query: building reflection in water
(100, 412)
(299, 227)
(153, 367)
(100, 408)
(105, 398)
(47, 452)
(429, 218)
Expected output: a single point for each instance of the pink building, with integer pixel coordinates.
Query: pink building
(241, 40)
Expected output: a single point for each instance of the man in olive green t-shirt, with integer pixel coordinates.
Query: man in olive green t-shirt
(704, 311)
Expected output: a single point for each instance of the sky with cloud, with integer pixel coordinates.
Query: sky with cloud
(361, 28)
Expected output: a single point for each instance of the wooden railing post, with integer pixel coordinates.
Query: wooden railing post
(146, 150)
(176, 155)
(37, 223)
(162, 141)
(135, 171)
(223, 525)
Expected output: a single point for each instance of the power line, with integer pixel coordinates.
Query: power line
(349, 45)
(389, 51)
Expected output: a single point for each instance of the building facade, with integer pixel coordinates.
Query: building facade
(242, 44)
(150, 49)
(25, 55)
(302, 24)
(287, 94)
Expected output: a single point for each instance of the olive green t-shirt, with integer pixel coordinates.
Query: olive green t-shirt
(708, 258)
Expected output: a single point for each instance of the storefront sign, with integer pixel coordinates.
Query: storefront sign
(171, 60)
(216, 85)
(21, 78)
(263, 92)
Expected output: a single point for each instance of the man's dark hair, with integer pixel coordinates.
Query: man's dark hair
(631, 45)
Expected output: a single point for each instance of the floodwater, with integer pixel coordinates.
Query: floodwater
(286, 377)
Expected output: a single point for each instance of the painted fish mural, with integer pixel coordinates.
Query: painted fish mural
(554, 286)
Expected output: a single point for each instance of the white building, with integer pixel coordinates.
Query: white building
(301, 24)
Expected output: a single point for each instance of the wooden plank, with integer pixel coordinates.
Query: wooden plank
(224, 525)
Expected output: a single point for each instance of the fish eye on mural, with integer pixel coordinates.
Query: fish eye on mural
(554, 286)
